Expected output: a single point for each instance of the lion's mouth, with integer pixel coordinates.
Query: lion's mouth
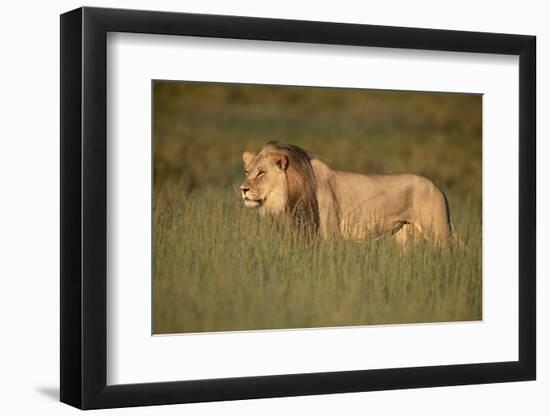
(250, 203)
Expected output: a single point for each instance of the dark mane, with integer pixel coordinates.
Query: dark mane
(302, 199)
(293, 150)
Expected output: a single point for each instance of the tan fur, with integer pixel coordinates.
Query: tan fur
(284, 179)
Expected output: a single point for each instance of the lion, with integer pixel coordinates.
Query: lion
(286, 180)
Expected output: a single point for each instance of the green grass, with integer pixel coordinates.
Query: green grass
(219, 267)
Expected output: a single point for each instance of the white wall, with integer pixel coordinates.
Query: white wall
(29, 237)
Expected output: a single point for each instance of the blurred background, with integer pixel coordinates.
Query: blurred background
(201, 130)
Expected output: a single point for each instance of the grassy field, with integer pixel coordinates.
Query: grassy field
(218, 267)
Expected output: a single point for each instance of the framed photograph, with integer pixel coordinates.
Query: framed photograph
(257, 208)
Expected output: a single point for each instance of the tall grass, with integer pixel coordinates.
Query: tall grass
(219, 267)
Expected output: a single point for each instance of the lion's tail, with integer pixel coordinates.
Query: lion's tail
(454, 234)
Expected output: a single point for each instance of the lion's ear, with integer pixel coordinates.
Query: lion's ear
(280, 160)
(247, 157)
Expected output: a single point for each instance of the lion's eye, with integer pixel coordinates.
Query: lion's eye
(245, 172)
(260, 174)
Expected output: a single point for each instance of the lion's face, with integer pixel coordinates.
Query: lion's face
(265, 183)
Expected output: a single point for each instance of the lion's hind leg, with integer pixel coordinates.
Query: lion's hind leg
(406, 234)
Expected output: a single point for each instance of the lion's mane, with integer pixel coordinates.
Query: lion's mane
(302, 201)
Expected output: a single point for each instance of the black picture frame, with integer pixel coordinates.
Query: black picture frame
(84, 207)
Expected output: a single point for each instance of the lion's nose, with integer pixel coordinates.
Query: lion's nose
(244, 189)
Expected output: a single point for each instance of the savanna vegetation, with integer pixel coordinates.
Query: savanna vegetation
(219, 267)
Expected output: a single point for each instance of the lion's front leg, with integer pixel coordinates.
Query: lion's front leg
(329, 224)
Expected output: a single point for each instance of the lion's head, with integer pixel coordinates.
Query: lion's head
(279, 179)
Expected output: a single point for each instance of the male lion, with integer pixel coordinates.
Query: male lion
(285, 179)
